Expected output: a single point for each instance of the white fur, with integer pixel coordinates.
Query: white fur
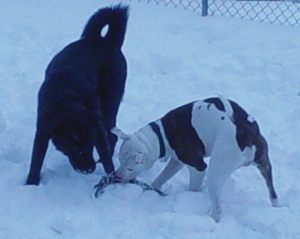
(217, 132)
(137, 153)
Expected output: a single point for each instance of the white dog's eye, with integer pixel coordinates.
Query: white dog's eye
(125, 154)
(129, 169)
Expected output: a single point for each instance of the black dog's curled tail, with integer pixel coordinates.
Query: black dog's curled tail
(116, 19)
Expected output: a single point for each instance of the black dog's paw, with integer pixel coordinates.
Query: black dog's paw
(104, 182)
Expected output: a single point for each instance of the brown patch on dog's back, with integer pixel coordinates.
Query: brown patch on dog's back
(183, 138)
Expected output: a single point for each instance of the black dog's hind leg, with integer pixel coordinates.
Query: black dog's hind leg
(40, 146)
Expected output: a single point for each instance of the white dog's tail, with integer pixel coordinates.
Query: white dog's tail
(227, 106)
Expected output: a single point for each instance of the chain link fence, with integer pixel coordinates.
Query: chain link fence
(282, 12)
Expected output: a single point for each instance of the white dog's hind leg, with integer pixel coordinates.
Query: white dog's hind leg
(264, 165)
(214, 189)
(196, 178)
(169, 171)
(225, 159)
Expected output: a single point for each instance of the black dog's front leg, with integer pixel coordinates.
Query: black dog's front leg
(40, 146)
(105, 150)
(105, 145)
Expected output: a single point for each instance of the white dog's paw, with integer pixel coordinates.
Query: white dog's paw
(275, 202)
(216, 214)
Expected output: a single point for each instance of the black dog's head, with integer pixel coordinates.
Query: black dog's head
(75, 135)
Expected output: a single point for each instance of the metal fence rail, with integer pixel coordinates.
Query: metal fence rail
(282, 12)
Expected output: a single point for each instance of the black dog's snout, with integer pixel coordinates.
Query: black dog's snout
(88, 170)
(83, 167)
(91, 170)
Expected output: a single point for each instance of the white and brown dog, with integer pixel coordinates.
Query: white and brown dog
(215, 127)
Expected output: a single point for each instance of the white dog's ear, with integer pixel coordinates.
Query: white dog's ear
(140, 158)
(120, 133)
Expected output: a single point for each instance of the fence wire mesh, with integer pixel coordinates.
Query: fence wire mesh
(194, 5)
(265, 11)
(282, 12)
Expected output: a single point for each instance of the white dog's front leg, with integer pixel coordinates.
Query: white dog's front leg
(169, 171)
(196, 178)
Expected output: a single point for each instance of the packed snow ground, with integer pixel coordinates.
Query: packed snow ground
(174, 57)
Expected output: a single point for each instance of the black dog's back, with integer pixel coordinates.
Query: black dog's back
(93, 49)
(92, 46)
(80, 97)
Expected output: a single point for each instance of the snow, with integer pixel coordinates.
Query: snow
(174, 57)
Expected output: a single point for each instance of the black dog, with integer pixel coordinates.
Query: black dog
(80, 97)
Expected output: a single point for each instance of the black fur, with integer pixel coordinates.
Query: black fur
(79, 99)
(183, 138)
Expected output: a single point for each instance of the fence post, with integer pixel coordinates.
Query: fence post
(204, 7)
